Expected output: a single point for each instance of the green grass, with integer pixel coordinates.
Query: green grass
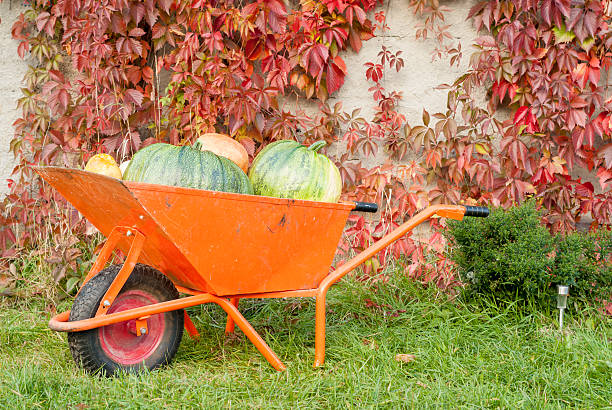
(465, 356)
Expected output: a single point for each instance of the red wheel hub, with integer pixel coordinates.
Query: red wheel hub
(120, 342)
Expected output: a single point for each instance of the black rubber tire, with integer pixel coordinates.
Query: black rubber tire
(85, 346)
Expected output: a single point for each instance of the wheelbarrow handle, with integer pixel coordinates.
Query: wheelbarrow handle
(365, 207)
(477, 211)
(456, 212)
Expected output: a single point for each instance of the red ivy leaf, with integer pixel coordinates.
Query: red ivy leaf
(605, 177)
(553, 11)
(518, 153)
(136, 46)
(46, 22)
(584, 72)
(147, 74)
(214, 41)
(133, 96)
(23, 48)
(585, 190)
(315, 58)
(136, 32)
(486, 41)
(253, 49)
(333, 5)
(374, 72)
(355, 11)
(137, 11)
(152, 14)
(524, 116)
(576, 117)
(499, 89)
(56, 76)
(336, 72)
(583, 21)
(277, 7)
(512, 89)
(605, 153)
(235, 124)
(355, 40)
(166, 4)
(63, 100)
(249, 145)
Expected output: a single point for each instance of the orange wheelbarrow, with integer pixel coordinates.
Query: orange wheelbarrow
(214, 247)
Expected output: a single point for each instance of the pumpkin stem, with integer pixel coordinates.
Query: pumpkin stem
(317, 146)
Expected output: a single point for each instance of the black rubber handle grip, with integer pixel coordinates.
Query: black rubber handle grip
(478, 211)
(365, 207)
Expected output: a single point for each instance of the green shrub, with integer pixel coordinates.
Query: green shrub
(511, 256)
(582, 261)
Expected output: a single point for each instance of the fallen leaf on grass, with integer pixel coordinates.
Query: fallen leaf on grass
(291, 307)
(232, 338)
(372, 304)
(405, 358)
(7, 280)
(370, 343)
(423, 385)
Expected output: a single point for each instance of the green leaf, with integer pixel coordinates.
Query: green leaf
(71, 283)
(587, 44)
(562, 35)
(481, 149)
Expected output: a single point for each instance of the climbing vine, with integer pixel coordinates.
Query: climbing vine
(116, 75)
(542, 130)
(544, 61)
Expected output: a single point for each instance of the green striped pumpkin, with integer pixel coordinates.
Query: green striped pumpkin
(188, 167)
(287, 169)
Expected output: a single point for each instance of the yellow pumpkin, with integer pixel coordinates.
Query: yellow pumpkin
(225, 146)
(103, 164)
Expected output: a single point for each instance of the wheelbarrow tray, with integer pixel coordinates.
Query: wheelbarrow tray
(215, 242)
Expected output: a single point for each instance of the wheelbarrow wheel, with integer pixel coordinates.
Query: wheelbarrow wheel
(114, 348)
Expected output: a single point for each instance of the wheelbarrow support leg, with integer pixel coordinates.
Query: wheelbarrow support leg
(320, 330)
(190, 327)
(248, 330)
(229, 325)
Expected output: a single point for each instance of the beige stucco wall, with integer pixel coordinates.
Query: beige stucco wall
(420, 75)
(12, 70)
(417, 80)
